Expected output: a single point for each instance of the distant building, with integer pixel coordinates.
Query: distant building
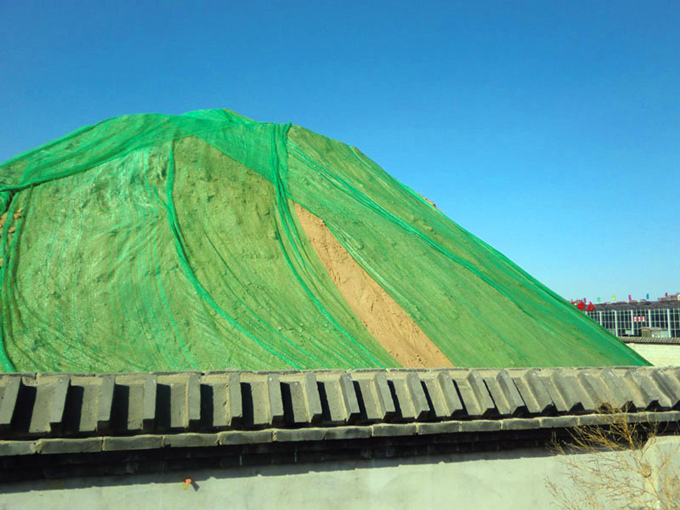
(660, 319)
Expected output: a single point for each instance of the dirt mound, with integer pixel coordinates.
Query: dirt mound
(168, 242)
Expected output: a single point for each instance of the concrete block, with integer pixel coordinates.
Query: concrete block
(393, 429)
(275, 400)
(662, 417)
(105, 403)
(179, 401)
(444, 427)
(142, 442)
(149, 402)
(42, 408)
(594, 419)
(58, 405)
(259, 407)
(440, 408)
(84, 445)
(9, 400)
(218, 402)
(597, 390)
(128, 393)
(86, 391)
(450, 394)
(405, 404)
(588, 399)
(312, 397)
(672, 372)
(475, 395)
(570, 392)
(480, 426)
(507, 399)
(650, 388)
(335, 413)
(645, 394)
(249, 437)
(193, 399)
(13, 448)
(234, 400)
(545, 377)
(190, 440)
(296, 400)
(520, 424)
(629, 388)
(337, 433)
(349, 394)
(295, 435)
(533, 392)
(384, 395)
(373, 409)
(419, 403)
(621, 398)
(609, 418)
(558, 422)
(669, 386)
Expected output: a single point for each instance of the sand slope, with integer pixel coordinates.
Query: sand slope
(382, 316)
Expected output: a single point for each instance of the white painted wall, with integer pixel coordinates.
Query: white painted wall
(510, 480)
(660, 355)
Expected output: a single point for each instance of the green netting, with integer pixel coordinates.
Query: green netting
(156, 242)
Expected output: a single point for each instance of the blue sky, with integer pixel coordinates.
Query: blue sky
(549, 129)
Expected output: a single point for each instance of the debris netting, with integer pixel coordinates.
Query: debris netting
(159, 242)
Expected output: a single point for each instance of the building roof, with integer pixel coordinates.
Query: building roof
(674, 340)
(638, 305)
(59, 424)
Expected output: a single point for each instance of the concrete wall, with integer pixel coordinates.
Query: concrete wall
(513, 479)
(661, 355)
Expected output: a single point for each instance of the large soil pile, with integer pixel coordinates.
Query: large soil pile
(210, 241)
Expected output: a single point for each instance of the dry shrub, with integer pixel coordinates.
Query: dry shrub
(627, 465)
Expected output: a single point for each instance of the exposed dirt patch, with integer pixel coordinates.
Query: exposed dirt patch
(383, 317)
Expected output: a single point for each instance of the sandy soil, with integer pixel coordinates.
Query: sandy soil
(383, 317)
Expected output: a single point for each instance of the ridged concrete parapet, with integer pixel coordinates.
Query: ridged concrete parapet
(217, 413)
(78, 405)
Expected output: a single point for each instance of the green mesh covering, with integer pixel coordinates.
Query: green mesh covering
(157, 242)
